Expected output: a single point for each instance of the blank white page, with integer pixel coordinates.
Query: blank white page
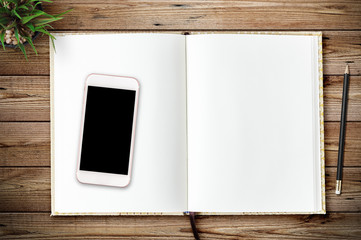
(159, 174)
(251, 121)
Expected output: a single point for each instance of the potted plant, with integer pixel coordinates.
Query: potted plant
(21, 21)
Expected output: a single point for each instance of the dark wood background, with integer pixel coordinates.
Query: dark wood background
(25, 126)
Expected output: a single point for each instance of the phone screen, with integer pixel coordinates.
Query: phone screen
(107, 131)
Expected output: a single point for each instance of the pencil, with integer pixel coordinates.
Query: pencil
(341, 144)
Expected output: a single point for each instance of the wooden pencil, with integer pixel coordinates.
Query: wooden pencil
(341, 145)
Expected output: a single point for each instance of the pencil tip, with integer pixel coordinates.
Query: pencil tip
(347, 71)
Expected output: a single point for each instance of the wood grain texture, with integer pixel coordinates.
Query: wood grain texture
(352, 140)
(24, 144)
(28, 189)
(195, 15)
(27, 98)
(333, 87)
(13, 61)
(339, 48)
(24, 98)
(28, 144)
(351, 190)
(42, 226)
(352, 153)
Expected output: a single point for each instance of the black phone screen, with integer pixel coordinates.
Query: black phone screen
(107, 131)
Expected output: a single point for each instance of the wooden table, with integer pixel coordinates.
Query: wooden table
(25, 127)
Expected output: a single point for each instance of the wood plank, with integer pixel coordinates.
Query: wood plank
(28, 144)
(26, 98)
(153, 15)
(24, 144)
(352, 140)
(13, 61)
(351, 190)
(351, 159)
(24, 189)
(28, 189)
(339, 47)
(352, 143)
(42, 226)
(333, 86)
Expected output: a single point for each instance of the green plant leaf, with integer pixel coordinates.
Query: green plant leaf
(37, 11)
(22, 48)
(23, 7)
(15, 13)
(61, 14)
(30, 26)
(52, 38)
(23, 33)
(24, 16)
(12, 1)
(5, 10)
(47, 25)
(43, 26)
(10, 26)
(42, 21)
(2, 38)
(42, 30)
(20, 45)
(26, 19)
(4, 20)
(17, 34)
(36, 4)
(13, 24)
(6, 5)
(52, 43)
(31, 44)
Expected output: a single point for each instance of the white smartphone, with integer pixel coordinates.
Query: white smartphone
(108, 130)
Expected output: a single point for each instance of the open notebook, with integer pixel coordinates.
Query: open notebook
(228, 123)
